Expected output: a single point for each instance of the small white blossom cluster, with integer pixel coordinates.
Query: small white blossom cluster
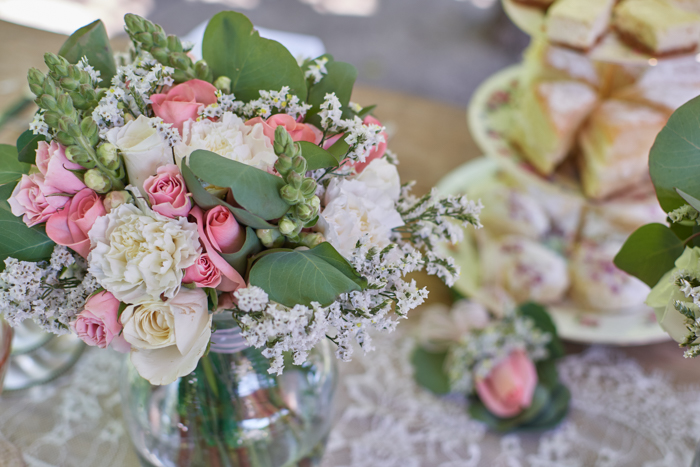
(317, 70)
(269, 102)
(683, 213)
(431, 220)
(689, 285)
(482, 349)
(166, 131)
(85, 66)
(39, 126)
(51, 293)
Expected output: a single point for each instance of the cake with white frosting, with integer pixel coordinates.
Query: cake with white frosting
(578, 23)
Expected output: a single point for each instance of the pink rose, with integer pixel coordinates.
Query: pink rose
(509, 388)
(298, 131)
(218, 234)
(182, 102)
(98, 324)
(378, 151)
(167, 192)
(35, 200)
(53, 164)
(70, 225)
(203, 273)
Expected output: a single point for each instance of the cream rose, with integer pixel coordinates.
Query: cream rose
(138, 254)
(353, 209)
(231, 138)
(168, 338)
(143, 149)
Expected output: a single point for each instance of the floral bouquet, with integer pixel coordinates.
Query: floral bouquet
(503, 362)
(667, 257)
(153, 192)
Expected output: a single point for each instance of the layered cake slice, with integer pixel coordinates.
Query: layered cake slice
(615, 144)
(578, 23)
(545, 61)
(547, 119)
(657, 26)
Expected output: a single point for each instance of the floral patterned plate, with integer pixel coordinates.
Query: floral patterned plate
(531, 20)
(622, 328)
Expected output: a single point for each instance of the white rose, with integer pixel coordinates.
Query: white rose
(525, 269)
(137, 255)
(143, 149)
(231, 138)
(382, 175)
(666, 292)
(354, 209)
(168, 338)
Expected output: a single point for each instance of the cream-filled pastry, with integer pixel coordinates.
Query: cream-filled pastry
(511, 211)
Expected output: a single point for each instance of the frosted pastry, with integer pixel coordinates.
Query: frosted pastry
(657, 26)
(546, 62)
(512, 212)
(525, 269)
(598, 284)
(547, 119)
(615, 144)
(578, 23)
(617, 219)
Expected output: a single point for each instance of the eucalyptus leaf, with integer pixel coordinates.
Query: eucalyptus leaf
(16, 239)
(674, 160)
(339, 149)
(331, 256)
(366, 111)
(649, 253)
(239, 259)
(694, 202)
(255, 190)
(340, 79)
(27, 144)
(429, 372)
(317, 157)
(11, 169)
(544, 322)
(300, 277)
(91, 41)
(232, 48)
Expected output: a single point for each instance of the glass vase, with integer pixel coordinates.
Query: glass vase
(230, 411)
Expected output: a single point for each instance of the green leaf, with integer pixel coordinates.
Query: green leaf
(428, 370)
(554, 412)
(239, 259)
(300, 277)
(694, 202)
(649, 253)
(92, 42)
(232, 48)
(366, 111)
(339, 149)
(478, 410)
(674, 160)
(544, 322)
(317, 157)
(255, 190)
(16, 239)
(11, 169)
(331, 256)
(340, 79)
(547, 374)
(27, 143)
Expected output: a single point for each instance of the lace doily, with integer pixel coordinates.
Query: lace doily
(620, 416)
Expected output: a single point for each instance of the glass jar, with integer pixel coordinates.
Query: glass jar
(230, 411)
(5, 347)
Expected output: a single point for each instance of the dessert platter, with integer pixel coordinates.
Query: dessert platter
(629, 31)
(567, 138)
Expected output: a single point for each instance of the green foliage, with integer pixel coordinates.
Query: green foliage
(11, 169)
(691, 200)
(92, 42)
(27, 144)
(428, 370)
(292, 277)
(649, 253)
(253, 189)
(545, 324)
(232, 48)
(16, 239)
(674, 160)
(340, 79)
(317, 157)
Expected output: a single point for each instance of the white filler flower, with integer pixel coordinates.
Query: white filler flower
(140, 255)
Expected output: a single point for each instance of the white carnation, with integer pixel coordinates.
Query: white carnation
(137, 255)
(365, 205)
(231, 138)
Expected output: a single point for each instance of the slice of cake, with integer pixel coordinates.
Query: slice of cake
(578, 23)
(548, 116)
(615, 144)
(547, 62)
(656, 26)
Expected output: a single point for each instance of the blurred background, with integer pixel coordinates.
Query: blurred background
(439, 49)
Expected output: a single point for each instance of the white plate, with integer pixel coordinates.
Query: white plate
(624, 328)
(610, 49)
